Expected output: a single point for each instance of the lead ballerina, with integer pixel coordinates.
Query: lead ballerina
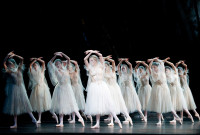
(160, 99)
(99, 101)
(63, 99)
(17, 101)
(40, 98)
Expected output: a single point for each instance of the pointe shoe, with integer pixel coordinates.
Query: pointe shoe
(111, 124)
(120, 125)
(125, 122)
(179, 120)
(70, 119)
(95, 127)
(59, 125)
(38, 122)
(82, 122)
(197, 115)
(14, 126)
(72, 122)
(173, 121)
(56, 118)
(130, 120)
(35, 122)
(108, 119)
(159, 123)
(191, 118)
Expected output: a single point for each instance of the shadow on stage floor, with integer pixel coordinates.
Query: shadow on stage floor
(139, 127)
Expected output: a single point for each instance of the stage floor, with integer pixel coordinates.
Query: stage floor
(138, 127)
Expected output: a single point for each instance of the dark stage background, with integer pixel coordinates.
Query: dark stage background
(138, 30)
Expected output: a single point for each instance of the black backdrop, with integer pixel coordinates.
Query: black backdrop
(138, 30)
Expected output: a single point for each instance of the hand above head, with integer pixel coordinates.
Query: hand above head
(32, 59)
(109, 56)
(11, 53)
(58, 54)
(40, 58)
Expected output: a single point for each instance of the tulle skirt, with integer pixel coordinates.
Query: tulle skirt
(40, 98)
(63, 100)
(144, 94)
(78, 92)
(173, 95)
(189, 98)
(118, 99)
(131, 98)
(17, 101)
(180, 99)
(160, 99)
(99, 100)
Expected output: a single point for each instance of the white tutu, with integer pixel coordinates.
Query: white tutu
(78, 92)
(172, 88)
(116, 94)
(17, 101)
(144, 94)
(40, 98)
(180, 99)
(187, 94)
(99, 100)
(129, 93)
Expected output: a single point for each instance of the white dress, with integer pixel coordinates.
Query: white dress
(115, 91)
(160, 99)
(63, 99)
(99, 100)
(78, 90)
(129, 93)
(144, 91)
(172, 87)
(40, 97)
(17, 101)
(187, 93)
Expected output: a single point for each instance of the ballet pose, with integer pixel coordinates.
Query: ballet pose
(127, 87)
(78, 88)
(99, 101)
(176, 91)
(160, 99)
(186, 89)
(144, 88)
(40, 98)
(17, 101)
(63, 99)
(111, 80)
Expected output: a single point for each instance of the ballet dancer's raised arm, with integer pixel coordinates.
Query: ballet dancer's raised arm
(185, 66)
(43, 63)
(5, 59)
(21, 60)
(130, 65)
(118, 66)
(108, 58)
(172, 65)
(88, 53)
(76, 65)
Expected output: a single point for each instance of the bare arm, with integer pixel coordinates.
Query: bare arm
(100, 56)
(5, 59)
(178, 63)
(86, 58)
(34, 60)
(166, 59)
(172, 65)
(118, 66)
(147, 67)
(130, 66)
(43, 63)
(113, 63)
(136, 67)
(21, 60)
(76, 65)
(185, 66)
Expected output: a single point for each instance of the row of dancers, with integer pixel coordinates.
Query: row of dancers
(106, 95)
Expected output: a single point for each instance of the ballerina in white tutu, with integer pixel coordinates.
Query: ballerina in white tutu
(184, 79)
(144, 88)
(78, 88)
(17, 101)
(160, 99)
(40, 98)
(111, 80)
(126, 84)
(99, 100)
(63, 99)
(176, 91)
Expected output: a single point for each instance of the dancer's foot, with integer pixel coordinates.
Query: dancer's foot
(108, 119)
(72, 121)
(162, 118)
(14, 126)
(60, 125)
(111, 124)
(129, 120)
(119, 123)
(173, 121)
(95, 126)
(190, 116)
(159, 123)
(69, 119)
(197, 115)
(82, 122)
(35, 122)
(125, 122)
(56, 118)
(179, 120)
(39, 122)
